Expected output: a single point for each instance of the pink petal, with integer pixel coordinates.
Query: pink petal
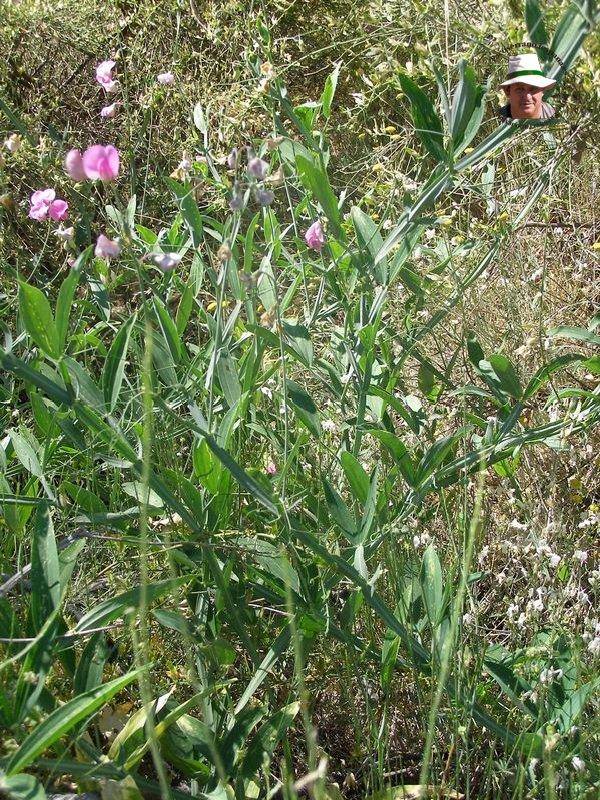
(106, 248)
(74, 165)
(59, 210)
(104, 69)
(101, 162)
(39, 212)
(45, 196)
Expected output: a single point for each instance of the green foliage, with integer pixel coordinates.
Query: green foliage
(268, 472)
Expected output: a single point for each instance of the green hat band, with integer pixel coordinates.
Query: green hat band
(520, 72)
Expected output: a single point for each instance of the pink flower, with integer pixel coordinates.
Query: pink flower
(74, 165)
(108, 112)
(104, 76)
(257, 168)
(314, 236)
(40, 204)
(59, 210)
(166, 261)
(271, 468)
(44, 204)
(101, 162)
(166, 78)
(106, 248)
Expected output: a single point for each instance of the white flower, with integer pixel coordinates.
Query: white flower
(166, 78)
(594, 646)
(581, 556)
(65, 234)
(166, 261)
(578, 764)
(517, 526)
(13, 143)
(329, 425)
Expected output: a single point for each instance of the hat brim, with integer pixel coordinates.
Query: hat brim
(531, 80)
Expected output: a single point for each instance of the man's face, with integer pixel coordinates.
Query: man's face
(525, 100)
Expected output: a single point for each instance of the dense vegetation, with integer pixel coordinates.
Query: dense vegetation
(299, 398)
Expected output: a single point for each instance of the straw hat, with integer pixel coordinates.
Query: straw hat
(525, 68)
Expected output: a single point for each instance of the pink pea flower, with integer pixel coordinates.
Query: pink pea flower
(59, 210)
(257, 168)
(106, 248)
(101, 162)
(74, 165)
(104, 76)
(166, 261)
(40, 202)
(166, 78)
(108, 112)
(314, 236)
(271, 468)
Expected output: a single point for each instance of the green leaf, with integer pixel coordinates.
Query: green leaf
(536, 29)
(88, 674)
(168, 330)
(304, 407)
(38, 320)
(231, 743)
(65, 717)
(339, 511)
(300, 342)
(266, 284)
(370, 242)
(508, 379)
(84, 385)
(240, 475)
(315, 179)
(21, 787)
(399, 452)
(25, 453)
(356, 476)
(279, 646)
(426, 121)
(189, 210)
(228, 378)
(266, 739)
(543, 375)
(329, 90)
(432, 585)
(45, 568)
(127, 602)
(142, 494)
(463, 101)
(200, 119)
(581, 334)
(66, 294)
(100, 295)
(114, 366)
(184, 309)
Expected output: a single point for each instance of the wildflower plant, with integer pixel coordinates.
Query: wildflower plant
(245, 399)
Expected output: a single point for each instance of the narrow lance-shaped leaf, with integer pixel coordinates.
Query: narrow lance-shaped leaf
(116, 607)
(66, 294)
(37, 317)
(536, 29)
(329, 90)
(315, 179)
(426, 121)
(63, 719)
(114, 366)
(45, 568)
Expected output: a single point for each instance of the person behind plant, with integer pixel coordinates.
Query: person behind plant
(524, 88)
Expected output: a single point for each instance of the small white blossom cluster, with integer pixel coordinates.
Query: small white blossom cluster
(592, 638)
(421, 540)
